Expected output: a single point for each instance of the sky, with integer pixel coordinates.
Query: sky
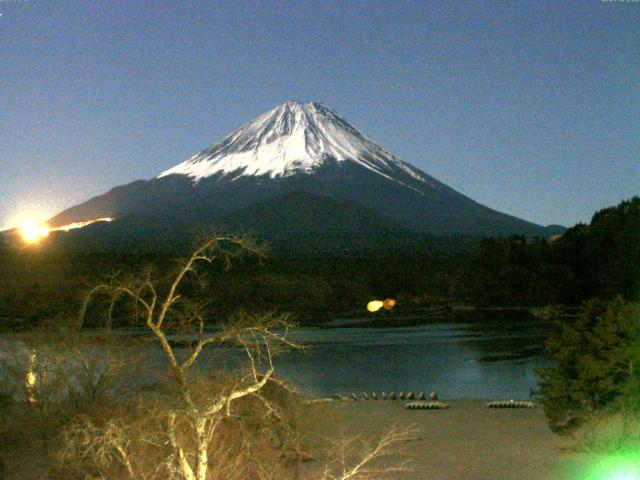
(531, 108)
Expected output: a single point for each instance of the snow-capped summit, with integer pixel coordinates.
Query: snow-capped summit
(290, 138)
(288, 171)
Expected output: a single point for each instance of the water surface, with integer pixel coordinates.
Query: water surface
(458, 360)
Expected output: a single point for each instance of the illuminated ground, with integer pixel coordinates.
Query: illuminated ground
(466, 442)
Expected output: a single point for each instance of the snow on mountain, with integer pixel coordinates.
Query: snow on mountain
(292, 157)
(293, 137)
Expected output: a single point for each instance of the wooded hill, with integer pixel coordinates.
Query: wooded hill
(600, 259)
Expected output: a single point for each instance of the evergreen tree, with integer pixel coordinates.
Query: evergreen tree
(596, 359)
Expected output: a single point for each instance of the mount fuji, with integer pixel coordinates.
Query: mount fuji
(298, 171)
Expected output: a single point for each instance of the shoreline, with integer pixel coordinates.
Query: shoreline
(467, 441)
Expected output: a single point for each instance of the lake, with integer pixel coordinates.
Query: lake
(488, 359)
(458, 360)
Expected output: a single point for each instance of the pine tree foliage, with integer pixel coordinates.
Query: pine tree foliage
(596, 359)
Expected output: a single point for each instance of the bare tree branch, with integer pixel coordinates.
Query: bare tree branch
(259, 336)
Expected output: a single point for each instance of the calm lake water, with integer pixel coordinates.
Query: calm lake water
(458, 360)
(488, 359)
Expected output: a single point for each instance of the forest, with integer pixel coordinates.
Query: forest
(599, 259)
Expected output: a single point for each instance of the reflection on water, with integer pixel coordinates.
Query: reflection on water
(461, 361)
(485, 360)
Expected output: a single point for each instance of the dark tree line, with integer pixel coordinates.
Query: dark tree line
(596, 353)
(600, 260)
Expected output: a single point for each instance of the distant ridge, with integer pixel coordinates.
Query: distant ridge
(301, 155)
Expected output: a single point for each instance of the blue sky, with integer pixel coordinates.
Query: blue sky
(531, 108)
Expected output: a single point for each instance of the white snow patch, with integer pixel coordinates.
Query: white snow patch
(290, 138)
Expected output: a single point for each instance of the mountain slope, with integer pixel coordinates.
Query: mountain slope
(308, 148)
(306, 223)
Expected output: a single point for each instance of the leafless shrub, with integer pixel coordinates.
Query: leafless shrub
(357, 458)
(204, 420)
(202, 411)
(47, 378)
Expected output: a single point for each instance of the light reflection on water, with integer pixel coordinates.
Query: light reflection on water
(458, 360)
(461, 361)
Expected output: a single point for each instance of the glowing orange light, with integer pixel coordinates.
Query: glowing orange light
(33, 232)
(389, 303)
(73, 226)
(31, 379)
(375, 305)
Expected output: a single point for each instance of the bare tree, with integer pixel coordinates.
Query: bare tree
(355, 458)
(48, 377)
(193, 420)
(206, 425)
